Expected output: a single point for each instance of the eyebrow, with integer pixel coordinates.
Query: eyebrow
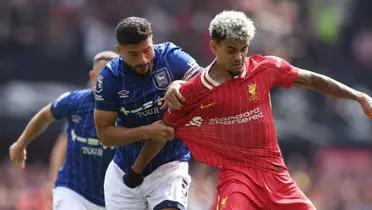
(136, 51)
(245, 46)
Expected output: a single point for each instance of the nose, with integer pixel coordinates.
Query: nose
(143, 58)
(238, 56)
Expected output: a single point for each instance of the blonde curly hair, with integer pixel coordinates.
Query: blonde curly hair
(232, 25)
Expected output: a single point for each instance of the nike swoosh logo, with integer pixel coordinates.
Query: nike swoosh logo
(206, 106)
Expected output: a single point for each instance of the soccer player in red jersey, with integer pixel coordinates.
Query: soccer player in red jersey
(227, 122)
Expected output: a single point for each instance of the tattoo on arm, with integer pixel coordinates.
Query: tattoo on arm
(321, 83)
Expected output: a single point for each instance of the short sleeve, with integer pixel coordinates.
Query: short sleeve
(182, 65)
(61, 107)
(280, 72)
(105, 94)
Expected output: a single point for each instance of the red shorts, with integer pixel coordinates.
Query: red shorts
(251, 189)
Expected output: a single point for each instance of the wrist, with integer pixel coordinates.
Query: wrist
(21, 144)
(136, 170)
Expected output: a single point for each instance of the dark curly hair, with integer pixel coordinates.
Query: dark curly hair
(132, 30)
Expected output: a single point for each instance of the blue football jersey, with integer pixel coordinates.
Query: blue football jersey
(137, 99)
(86, 159)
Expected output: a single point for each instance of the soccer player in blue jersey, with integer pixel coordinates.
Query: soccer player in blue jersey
(79, 183)
(129, 94)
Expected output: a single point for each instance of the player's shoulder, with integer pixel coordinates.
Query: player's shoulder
(169, 51)
(79, 95)
(261, 62)
(165, 47)
(74, 98)
(194, 85)
(113, 67)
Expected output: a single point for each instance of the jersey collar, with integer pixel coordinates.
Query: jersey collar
(210, 83)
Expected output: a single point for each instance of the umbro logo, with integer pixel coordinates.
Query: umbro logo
(75, 118)
(123, 93)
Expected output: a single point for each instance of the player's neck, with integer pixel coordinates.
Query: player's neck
(219, 74)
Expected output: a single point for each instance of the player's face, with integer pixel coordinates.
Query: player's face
(138, 56)
(230, 54)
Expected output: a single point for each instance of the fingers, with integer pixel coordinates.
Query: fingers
(23, 165)
(170, 133)
(173, 97)
(369, 114)
(167, 134)
(179, 95)
(18, 156)
(366, 103)
(172, 100)
(161, 132)
(164, 106)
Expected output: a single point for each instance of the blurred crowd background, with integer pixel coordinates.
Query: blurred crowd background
(46, 47)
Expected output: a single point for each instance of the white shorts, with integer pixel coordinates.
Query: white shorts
(166, 187)
(67, 199)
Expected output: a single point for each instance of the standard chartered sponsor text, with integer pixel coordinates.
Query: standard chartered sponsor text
(244, 117)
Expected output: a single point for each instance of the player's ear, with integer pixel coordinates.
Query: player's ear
(212, 45)
(117, 47)
(91, 74)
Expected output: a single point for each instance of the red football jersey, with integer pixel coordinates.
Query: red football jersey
(231, 124)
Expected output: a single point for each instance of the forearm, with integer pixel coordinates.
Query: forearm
(148, 152)
(57, 157)
(119, 136)
(36, 126)
(326, 85)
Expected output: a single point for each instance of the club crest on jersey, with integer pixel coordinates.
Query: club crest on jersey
(161, 79)
(252, 92)
(195, 121)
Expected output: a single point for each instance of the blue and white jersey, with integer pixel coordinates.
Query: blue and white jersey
(137, 99)
(86, 159)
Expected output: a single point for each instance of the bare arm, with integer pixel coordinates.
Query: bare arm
(57, 156)
(111, 135)
(37, 125)
(156, 133)
(148, 152)
(321, 83)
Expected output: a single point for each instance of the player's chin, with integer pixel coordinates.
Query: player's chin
(235, 71)
(237, 68)
(141, 70)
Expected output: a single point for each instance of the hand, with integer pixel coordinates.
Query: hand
(366, 103)
(132, 179)
(160, 132)
(18, 154)
(173, 97)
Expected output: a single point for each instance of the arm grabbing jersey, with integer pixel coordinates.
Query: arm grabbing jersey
(232, 124)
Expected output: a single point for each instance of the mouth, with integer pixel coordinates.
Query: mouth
(143, 68)
(238, 66)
